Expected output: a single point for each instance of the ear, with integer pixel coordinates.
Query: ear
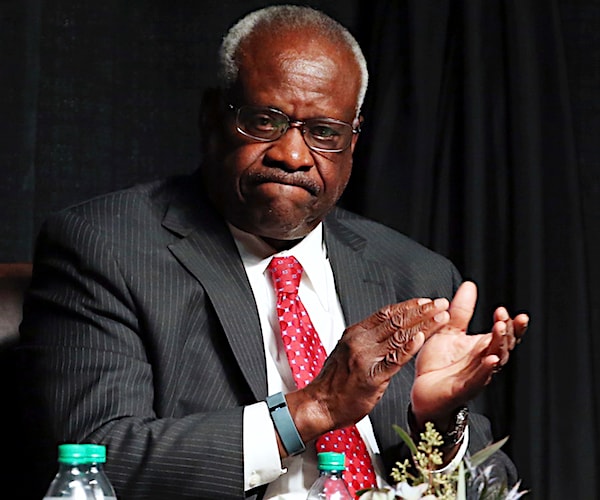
(361, 119)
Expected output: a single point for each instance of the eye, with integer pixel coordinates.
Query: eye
(324, 132)
(262, 122)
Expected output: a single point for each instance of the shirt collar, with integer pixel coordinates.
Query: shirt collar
(310, 252)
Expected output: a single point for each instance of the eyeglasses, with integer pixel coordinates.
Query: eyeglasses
(265, 124)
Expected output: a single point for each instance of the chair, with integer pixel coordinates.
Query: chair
(14, 280)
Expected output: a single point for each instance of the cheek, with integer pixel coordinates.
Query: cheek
(336, 175)
(239, 159)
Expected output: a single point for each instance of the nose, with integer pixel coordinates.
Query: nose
(290, 151)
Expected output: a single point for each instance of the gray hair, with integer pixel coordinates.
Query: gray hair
(292, 16)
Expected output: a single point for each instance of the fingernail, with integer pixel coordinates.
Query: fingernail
(422, 302)
(441, 302)
(441, 317)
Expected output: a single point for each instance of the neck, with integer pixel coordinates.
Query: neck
(280, 245)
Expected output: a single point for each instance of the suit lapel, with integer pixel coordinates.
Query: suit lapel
(208, 252)
(362, 284)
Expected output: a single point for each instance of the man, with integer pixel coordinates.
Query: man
(152, 326)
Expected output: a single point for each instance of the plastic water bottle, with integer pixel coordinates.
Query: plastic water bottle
(330, 484)
(80, 474)
(101, 487)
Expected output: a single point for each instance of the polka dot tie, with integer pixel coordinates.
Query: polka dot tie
(306, 356)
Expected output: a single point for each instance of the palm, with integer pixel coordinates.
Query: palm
(452, 366)
(445, 350)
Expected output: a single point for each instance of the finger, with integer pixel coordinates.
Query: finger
(403, 328)
(429, 318)
(521, 323)
(510, 337)
(396, 324)
(490, 365)
(510, 334)
(499, 346)
(401, 312)
(463, 305)
(516, 327)
(474, 373)
(501, 314)
(481, 368)
(402, 356)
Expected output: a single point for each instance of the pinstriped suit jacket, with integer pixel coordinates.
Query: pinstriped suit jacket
(140, 331)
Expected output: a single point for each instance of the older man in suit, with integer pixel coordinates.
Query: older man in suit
(152, 326)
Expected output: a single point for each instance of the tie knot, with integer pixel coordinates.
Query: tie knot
(285, 273)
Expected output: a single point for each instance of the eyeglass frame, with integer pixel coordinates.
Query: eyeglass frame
(299, 124)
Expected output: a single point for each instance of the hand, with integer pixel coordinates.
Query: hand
(453, 367)
(358, 371)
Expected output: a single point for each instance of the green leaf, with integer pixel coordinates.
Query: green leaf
(482, 455)
(461, 487)
(406, 438)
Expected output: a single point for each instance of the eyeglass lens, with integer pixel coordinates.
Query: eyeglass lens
(267, 124)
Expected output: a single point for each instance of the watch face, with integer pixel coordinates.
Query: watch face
(451, 437)
(454, 435)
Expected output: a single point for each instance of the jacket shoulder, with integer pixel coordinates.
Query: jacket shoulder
(148, 198)
(404, 258)
(380, 238)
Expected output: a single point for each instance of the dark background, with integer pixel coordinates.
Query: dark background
(480, 141)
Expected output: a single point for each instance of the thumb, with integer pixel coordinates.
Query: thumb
(462, 306)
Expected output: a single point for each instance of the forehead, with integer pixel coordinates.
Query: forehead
(302, 71)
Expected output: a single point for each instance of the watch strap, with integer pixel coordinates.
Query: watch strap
(453, 435)
(284, 424)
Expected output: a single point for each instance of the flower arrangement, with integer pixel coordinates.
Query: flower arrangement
(469, 481)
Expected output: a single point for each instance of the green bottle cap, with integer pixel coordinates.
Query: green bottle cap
(72, 454)
(331, 460)
(96, 452)
(81, 453)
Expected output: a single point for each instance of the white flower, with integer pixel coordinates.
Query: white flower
(407, 492)
(378, 494)
(514, 493)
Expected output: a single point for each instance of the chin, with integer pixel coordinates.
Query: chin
(285, 232)
(281, 229)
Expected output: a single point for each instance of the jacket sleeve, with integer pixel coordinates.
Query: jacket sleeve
(88, 375)
(430, 275)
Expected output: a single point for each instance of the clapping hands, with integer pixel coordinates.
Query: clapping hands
(453, 367)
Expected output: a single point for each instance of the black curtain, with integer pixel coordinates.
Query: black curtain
(99, 95)
(480, 141)
(468, 146)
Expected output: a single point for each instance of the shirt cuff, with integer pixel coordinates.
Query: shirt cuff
(262, 463)
(459, 455)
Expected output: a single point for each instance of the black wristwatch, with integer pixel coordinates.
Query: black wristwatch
(453, 435)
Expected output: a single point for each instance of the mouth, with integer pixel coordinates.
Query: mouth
(286, 179)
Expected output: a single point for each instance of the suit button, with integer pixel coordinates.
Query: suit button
(254, 480)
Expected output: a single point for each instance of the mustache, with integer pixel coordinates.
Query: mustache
(297, 179)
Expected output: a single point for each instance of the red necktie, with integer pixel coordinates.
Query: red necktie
(306, 356)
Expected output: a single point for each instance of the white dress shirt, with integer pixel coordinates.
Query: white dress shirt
(291, 478)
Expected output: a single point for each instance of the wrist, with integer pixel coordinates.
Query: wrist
(452, 428)
(289, 437)
(309, 415)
